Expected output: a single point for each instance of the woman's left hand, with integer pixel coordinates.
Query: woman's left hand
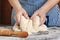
(41, 14)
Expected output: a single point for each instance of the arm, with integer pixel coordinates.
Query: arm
(48, 5)
(15, 4)
(19, 11)
(41, 12)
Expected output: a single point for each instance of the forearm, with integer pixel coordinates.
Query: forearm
(48, 5)
(15, 4)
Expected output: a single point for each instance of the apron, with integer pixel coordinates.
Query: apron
(32, 5)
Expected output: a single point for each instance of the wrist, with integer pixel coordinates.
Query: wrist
(42, 11)
(18, 10)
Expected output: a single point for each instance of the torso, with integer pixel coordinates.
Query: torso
(31, 5)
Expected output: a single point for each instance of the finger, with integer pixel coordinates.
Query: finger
(26, 16)
(42, 20)
(17, 19)
(35, 14)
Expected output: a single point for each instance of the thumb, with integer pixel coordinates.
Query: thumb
(17, 19)
(33, 15)
(42, 20)
(26, 16)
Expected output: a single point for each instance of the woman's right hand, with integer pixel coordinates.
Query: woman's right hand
(20, 13)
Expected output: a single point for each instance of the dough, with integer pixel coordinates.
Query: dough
(26, 25)
(36, 23)
(15, 28)
(30, 26)
(43, 28)
(23, 23)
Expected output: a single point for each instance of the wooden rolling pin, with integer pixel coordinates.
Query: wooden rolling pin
(9, 32)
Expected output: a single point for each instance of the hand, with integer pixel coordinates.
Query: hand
(42, 16)
(19, 13)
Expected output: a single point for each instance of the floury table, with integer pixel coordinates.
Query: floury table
(52, 34)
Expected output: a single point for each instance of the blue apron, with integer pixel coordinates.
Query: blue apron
(32, 5)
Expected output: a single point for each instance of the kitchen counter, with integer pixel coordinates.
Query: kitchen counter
(53, 33)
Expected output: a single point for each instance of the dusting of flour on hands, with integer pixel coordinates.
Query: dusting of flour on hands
(31, 26)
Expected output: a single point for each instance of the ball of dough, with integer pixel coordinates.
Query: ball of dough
(30, 26)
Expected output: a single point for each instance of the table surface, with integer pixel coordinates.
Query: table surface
(53, 33)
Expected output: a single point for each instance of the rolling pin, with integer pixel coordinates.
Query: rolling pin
(10, 32)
